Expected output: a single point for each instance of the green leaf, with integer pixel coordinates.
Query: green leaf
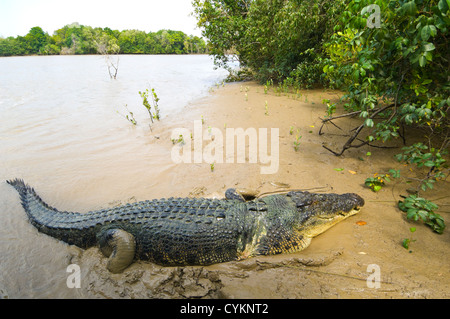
(368, 123)
(427, 31)
(440, 222)
(423, 214)
(444, 5)
(422, 62)
(338, 169)
(409, 8)
(362, 72)
(433, 30)
(405, 243)
(438, 228)
(429, 164)
(395, 173)
(411, 214)
(428, 47)
(376, 188)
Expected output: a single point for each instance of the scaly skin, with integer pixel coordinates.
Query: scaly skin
(193, 231)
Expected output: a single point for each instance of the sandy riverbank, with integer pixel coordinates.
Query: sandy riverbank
(336, 265)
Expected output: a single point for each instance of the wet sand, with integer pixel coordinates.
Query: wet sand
(335, 265)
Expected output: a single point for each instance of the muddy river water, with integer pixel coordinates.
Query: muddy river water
(61, 131)
(61, 123)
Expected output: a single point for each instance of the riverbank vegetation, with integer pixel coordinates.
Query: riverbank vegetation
(80, 39)
(390, 58)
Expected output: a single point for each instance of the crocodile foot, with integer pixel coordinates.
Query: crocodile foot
(119, 246)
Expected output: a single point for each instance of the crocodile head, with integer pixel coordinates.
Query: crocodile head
(319, 212)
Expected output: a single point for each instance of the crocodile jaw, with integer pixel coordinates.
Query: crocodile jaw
(321, 224)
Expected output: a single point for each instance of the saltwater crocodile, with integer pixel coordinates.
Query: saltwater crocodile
(193, 231)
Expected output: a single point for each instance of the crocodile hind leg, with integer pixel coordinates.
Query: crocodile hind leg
(119, 246)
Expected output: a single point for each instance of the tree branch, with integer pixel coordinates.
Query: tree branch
(330, 119)
(349, 142)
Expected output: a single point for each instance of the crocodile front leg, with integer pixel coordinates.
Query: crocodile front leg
(241, 195)
(119, 246)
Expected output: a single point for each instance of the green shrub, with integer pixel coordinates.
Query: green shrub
(397, 67)
(419, 208)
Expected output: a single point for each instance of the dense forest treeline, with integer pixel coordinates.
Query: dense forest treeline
(80, 39)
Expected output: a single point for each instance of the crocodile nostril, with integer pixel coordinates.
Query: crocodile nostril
(358, 200)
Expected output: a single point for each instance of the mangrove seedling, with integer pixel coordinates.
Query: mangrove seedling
(407, 241)
(377, 182)
(129, 116)
(331, 108)
(268, 84)
(179, 140)
(145, 101)
(297, 142)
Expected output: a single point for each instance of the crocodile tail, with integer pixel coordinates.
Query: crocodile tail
(50, 221)
(33, 205)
